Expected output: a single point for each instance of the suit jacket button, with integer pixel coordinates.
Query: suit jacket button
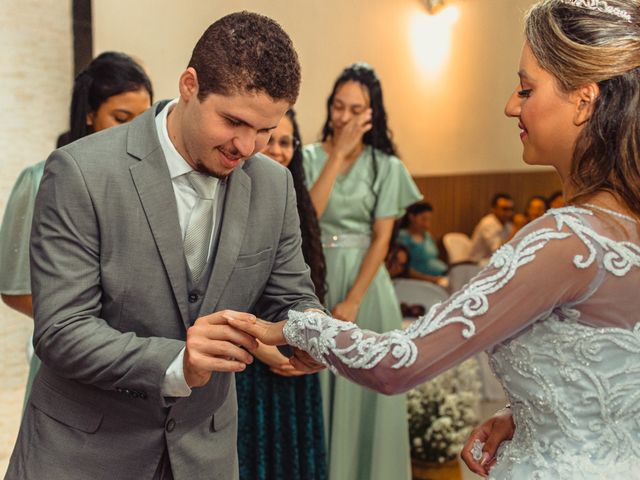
(171, 424)
(193, 297)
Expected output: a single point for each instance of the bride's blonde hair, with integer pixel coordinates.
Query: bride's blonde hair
(579, 45)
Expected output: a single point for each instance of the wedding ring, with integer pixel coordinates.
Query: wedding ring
(476, 450)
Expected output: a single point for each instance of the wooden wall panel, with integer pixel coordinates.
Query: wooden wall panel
(459, 201)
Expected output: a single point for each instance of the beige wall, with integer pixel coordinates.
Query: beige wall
(35, 81)
(446, 121)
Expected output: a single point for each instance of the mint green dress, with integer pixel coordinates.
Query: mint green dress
(15, 232)
(367, 433)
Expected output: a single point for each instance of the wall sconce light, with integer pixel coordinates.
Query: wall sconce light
(433, 5)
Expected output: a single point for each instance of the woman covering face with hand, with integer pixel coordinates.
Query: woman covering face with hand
(557, 306)
(280, 426)
(359, 187)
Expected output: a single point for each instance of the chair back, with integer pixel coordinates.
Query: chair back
(458, 247)
(459, 275)
(419, 292)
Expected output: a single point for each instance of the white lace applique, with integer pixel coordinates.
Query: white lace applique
(575, 396)
(618, 256)
(316, 333)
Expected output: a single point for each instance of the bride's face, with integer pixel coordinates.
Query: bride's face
(546, 116)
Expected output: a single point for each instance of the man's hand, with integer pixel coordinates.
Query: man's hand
(215, 346)
(492, 433)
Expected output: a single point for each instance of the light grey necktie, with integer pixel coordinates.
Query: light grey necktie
(198, 236)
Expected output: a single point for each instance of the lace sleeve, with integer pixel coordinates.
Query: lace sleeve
(551, 264)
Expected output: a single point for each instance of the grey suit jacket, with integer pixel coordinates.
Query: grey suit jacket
(110, 305)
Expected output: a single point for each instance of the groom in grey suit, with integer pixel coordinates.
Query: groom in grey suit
(146, 239)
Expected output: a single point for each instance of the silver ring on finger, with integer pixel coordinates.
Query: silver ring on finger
(476, 450)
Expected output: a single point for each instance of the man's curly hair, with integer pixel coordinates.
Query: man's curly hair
(246, 52)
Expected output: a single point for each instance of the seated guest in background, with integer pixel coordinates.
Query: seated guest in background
(280, 425)
(112, 90)
(493, 230)
(556, 200)
(536, 206)
(397, 261)
(424, 263)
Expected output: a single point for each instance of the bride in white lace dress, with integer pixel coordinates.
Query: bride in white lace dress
(557, 308)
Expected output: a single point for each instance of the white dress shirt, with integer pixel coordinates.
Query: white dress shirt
(174, 384)
(489, 235)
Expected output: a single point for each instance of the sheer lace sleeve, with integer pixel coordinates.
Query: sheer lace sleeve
(552, 265)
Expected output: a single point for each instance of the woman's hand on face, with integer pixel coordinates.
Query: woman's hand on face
(346, 310)
(349, 137)
(267, 332)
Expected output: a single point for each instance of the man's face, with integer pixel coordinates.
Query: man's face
(503, 210)
(221, 131)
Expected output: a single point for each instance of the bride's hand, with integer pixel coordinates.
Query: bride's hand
(499, 428)
(268, 333)
(304, 362)
(277, 363)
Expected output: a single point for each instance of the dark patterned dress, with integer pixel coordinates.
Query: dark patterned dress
(280, 426)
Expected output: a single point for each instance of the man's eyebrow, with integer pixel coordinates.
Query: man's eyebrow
(244, 122)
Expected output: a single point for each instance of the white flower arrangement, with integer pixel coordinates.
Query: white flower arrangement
(442, 413)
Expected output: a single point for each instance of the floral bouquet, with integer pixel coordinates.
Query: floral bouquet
(442, 413)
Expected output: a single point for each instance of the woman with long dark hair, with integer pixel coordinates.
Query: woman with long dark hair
(112, 90)
(359, 187)
(280, 427)
(557, 307)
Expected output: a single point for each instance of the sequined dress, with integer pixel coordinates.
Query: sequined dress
(557, 309)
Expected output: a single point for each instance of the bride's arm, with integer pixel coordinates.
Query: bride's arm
(547, 265)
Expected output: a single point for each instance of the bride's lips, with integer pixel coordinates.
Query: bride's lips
(229, 161)
(523, 131)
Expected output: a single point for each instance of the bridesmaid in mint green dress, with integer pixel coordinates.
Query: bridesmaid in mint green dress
(359, 187)
(112, 90)
(15, 281)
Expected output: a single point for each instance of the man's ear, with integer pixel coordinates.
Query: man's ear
(89, 119)
(585, 101)
(188, 84)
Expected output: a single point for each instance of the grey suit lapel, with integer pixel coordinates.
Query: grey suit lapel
(153, 183)
(234, 223)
